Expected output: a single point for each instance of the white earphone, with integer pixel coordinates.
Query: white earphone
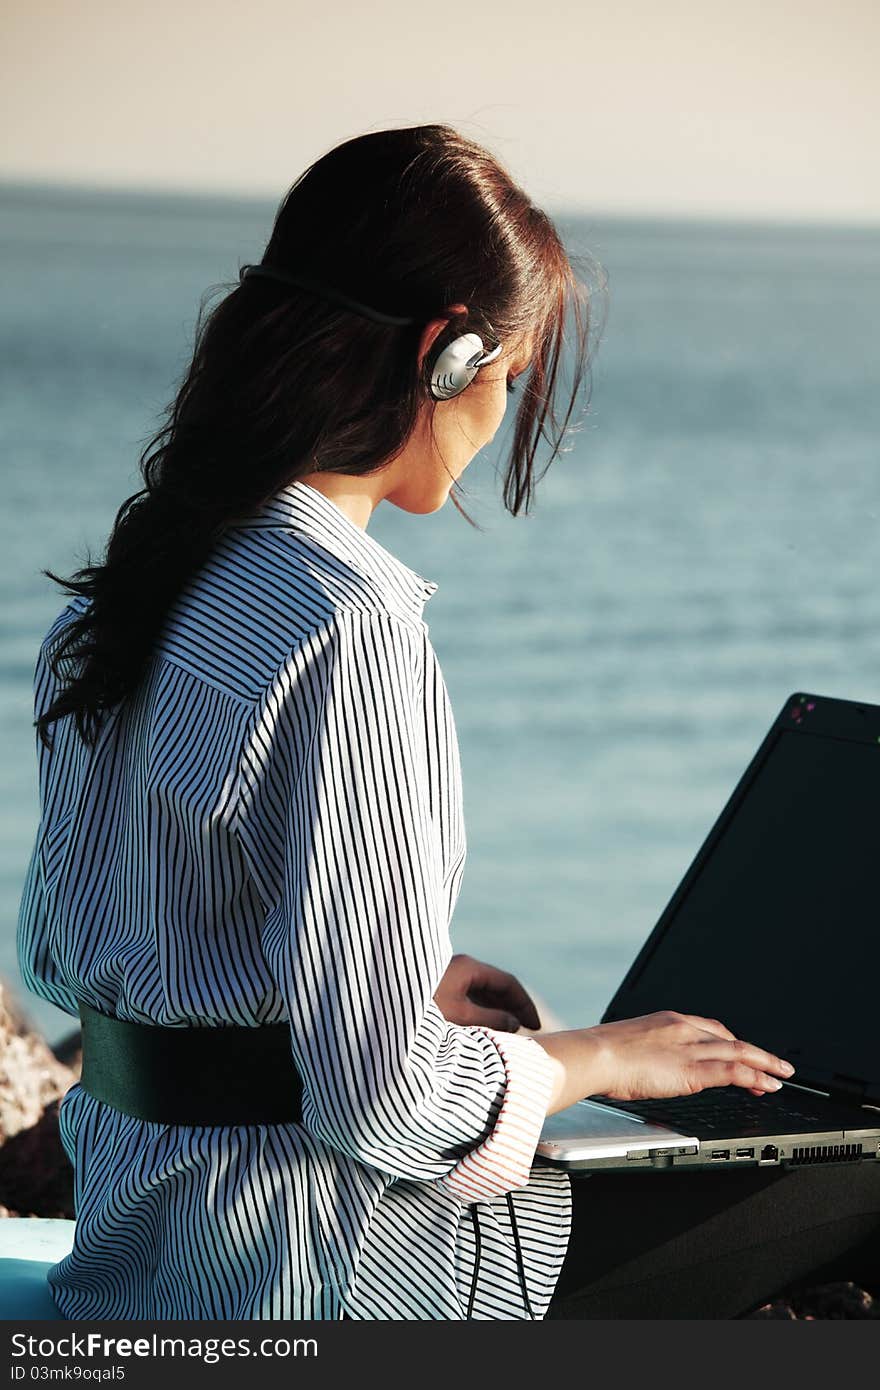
(458, 364)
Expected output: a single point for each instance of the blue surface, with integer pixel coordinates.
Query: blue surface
(24, 1292)
(29, 1246)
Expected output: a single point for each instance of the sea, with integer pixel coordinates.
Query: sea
(705, 544)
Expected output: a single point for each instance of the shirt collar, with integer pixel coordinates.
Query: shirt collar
(298, 506)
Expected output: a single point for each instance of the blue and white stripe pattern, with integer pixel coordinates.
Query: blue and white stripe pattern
(271, 830)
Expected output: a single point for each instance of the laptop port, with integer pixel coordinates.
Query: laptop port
(721, 1153)
(745, 1153)
(769, 1153)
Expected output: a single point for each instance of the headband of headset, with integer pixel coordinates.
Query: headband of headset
(308, 282)
(457, 364)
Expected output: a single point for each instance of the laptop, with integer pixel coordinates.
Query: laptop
(774, 930)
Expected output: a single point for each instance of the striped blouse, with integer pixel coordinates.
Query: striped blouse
(270, 830)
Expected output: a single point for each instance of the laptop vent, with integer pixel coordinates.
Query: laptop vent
(827, 1153)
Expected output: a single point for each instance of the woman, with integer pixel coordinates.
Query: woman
(296, 1102)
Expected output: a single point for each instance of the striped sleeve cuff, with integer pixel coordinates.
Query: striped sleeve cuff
(504, 1160)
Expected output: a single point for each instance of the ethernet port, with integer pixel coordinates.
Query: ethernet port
(769, 1153)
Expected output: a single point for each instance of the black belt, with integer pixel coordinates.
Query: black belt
(225, 1075)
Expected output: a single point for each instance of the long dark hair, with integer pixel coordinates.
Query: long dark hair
(283, 383)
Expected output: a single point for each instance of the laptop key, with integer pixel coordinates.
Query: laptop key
(732, 1112)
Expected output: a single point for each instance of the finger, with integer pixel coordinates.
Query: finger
(710, 1025)
(740, 1050)
(493, 987)
(750, 1078)
(777, 1066)
(475, 1015)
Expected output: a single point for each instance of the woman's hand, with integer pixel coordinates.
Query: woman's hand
(679, 1054)
(472, 992)
(674, 1054)
(657, 1055)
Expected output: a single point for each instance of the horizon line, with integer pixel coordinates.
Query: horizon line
(171, 193)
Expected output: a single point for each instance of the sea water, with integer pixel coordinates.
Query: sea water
(707, 544)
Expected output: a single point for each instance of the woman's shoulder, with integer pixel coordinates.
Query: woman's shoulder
(358, 645)
(73, 608)
(261, 604)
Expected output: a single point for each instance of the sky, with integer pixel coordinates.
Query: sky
(762, 109)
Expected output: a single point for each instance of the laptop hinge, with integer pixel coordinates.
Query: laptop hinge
(848, 1088)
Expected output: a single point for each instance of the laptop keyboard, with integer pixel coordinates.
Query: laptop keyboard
(728, 1111)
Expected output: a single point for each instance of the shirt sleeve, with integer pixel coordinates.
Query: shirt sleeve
(504, 1160)
(39, 970)
(333, 814)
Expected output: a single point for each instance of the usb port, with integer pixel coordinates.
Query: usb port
(745, 1153)
(721, 1153)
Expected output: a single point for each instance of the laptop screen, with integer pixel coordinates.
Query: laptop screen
(778, 935)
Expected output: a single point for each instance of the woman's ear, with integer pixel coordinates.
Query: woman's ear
(433, 329)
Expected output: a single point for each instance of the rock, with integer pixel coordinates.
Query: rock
(837, 1300)
(69, 1050)
(36, 1178)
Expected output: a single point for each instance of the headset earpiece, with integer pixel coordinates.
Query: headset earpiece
(458, 364)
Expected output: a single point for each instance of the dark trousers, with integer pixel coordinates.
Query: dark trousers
(716, 1244)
